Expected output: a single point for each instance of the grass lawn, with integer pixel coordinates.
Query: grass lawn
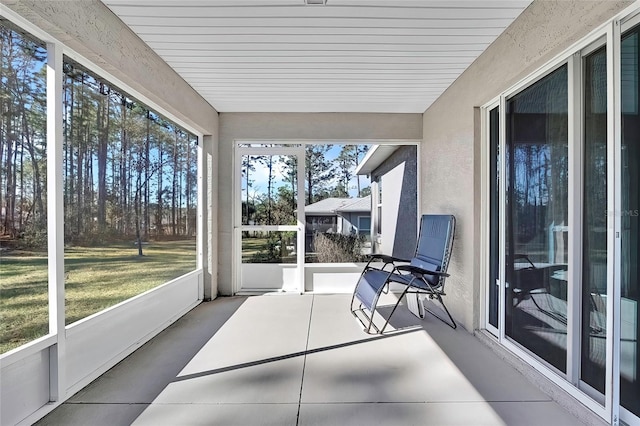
(251, 246)
(95, 279)
(258, 246)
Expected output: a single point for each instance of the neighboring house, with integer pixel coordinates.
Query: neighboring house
(348, 216)
(394, 208)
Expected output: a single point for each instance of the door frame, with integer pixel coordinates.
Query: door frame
(243, 146)
(238, 227)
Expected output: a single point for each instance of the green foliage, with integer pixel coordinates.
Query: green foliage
(33, 238)
(270, 252)
(337, 248)
(320, 172)
(275, 248)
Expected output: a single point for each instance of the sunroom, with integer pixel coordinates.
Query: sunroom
(159, 155)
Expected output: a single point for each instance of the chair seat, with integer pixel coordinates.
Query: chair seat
(417, 283)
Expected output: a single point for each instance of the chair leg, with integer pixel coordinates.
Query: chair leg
(439, 297)
(394, 309)
(367, 327)
(370, 316)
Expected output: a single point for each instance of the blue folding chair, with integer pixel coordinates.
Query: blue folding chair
(424, 274)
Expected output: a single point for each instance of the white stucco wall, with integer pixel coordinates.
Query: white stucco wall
(292, 126)
(391, 181)
(450, 160)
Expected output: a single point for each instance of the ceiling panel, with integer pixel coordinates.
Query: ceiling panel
(344, 56)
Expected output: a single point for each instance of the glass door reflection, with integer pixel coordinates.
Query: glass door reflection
(594, 237)
(537, 162)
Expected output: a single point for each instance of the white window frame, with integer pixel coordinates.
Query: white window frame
(360, 226)
(485, 220)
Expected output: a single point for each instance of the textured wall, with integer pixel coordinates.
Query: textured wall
(92, 30)
(292, 126)
(450, 174)
(403, 241)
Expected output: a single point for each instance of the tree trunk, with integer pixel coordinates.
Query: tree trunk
(136, 203)
(4, 36)
(174, 187)
(356, 161)
(180, 192)
(8, 218)
(160, 190)
(37, 182)
(69, 184)
(248, 170)
(80, 160)
(147, 177)
(103, 139)
(188, 188)
(309, 187)
(269, 182)
(123, 168)
(24, 132)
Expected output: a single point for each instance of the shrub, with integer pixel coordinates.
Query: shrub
(336, 248)
(33, 238)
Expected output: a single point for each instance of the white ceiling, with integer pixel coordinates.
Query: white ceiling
(344, 56)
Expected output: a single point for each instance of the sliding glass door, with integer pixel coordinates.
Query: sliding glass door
(537, 218)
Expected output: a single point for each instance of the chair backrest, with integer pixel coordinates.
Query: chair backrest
(434, 244)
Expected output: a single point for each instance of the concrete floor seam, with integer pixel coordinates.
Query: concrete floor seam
(304, 362)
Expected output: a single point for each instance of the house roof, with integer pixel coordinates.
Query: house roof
(330, 206)
(376, 155)
(359, 205)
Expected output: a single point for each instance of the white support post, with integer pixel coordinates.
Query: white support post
(55, 220)
(300, 250)
(202, 228)
(502, 214)
(206, 218)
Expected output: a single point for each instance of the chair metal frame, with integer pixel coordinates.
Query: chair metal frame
(417, 280)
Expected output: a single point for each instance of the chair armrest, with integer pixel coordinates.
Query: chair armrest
(386, 258)
(420, 271)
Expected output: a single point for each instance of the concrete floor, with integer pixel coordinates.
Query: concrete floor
(304, 360)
